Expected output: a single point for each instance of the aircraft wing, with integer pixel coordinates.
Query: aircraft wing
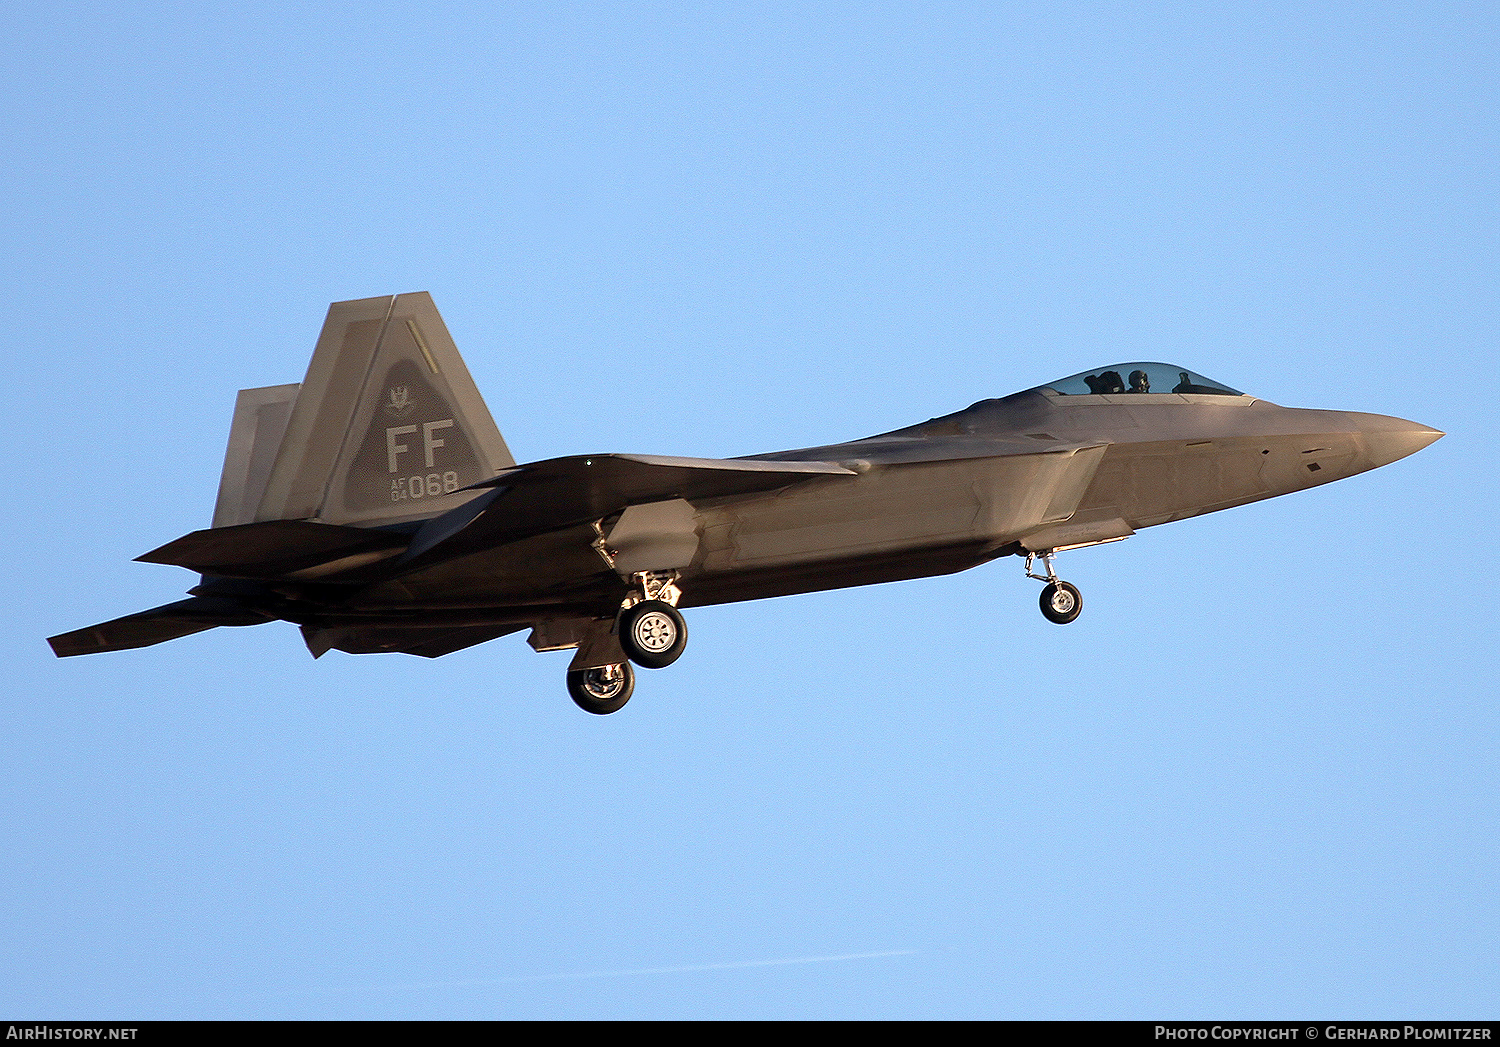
(278, 549)
(650, 477)
(559, 492)
(521, 501)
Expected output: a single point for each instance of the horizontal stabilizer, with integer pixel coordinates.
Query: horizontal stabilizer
(278, 549)
(157, 625)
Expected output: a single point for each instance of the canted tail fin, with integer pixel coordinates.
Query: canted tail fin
(260, 417)
(387, 426)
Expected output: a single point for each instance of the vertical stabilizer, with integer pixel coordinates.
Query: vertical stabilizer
(387, 425)
(260, 419)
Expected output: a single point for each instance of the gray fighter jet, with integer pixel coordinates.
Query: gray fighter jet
(376, 505)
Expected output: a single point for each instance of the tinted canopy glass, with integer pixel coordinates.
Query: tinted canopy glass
(1138, 378)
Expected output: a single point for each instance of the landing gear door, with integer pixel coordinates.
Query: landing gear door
(657, 536)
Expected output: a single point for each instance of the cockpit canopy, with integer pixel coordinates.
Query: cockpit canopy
(1137, 378)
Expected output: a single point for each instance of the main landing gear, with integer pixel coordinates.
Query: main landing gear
(650, 632)
(603, 688)
(1061, 601)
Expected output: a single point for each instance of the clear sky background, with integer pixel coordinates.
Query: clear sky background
(1257, 778)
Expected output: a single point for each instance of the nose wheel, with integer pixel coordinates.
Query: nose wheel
(1061, 601)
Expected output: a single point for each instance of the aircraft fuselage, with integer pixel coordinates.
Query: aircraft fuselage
(377, 506)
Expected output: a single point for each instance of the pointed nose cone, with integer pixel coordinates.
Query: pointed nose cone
(1388, 440)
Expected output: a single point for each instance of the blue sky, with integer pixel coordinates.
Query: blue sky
(1255, 779)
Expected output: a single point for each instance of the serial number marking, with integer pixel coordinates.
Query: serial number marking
(410, 488)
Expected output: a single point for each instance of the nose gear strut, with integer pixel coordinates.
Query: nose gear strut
(1061, 601)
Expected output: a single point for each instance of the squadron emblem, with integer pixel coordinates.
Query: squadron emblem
(400, 404)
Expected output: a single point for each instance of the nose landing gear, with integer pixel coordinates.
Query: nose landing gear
(1061, 601)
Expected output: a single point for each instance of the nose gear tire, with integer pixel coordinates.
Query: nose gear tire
(1061, 602)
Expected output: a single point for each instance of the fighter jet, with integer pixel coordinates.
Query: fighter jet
(376, 505)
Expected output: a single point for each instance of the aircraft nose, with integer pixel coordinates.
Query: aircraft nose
(1389, 439)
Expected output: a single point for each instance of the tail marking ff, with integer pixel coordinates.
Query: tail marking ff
(387, 426)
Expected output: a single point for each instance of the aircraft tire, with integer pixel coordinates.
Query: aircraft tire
(1061, 602)
(601, 690)
(652, 634)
